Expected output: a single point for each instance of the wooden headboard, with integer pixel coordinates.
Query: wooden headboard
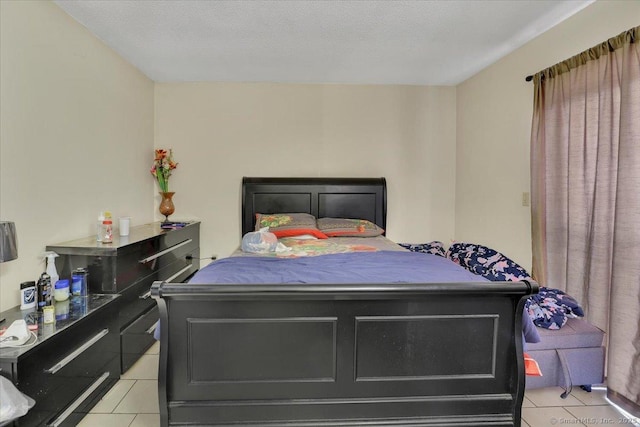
(361, 198)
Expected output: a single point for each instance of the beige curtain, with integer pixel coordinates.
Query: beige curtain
(585, 187)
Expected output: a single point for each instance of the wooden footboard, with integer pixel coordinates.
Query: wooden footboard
(341, 355)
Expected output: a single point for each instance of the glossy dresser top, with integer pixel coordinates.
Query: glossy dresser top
(67, 314)
(89, 245)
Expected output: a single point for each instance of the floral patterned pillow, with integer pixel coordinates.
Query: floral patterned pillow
(289, 224)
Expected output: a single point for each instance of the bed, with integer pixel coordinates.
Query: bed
(371, 353)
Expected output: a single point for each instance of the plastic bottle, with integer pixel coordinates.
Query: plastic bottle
(79, 282)
(44, 291)
(107, 228)
(99, 227)
(51, 267)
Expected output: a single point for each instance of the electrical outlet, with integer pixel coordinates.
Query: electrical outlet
(525, 199)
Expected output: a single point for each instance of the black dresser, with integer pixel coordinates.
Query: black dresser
(95, 338)
(73, 363)
(127, 267)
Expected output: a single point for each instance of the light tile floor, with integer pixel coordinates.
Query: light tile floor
(544, 407)
(133, 402)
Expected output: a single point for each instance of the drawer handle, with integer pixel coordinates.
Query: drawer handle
(147, 294)
(77, 352)
(169, 279)
(152, 329)
(93, 387)
(166, 251)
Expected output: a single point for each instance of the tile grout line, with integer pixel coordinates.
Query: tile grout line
(124, 397)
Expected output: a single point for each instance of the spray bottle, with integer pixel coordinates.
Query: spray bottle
(51, 267)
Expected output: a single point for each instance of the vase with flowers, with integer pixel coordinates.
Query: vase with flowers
(163, 166)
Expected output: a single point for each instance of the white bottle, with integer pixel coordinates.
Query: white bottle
(51, 268)
(99, 228)
(107, 228)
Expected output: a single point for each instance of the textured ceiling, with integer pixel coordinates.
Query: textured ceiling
(436, 42)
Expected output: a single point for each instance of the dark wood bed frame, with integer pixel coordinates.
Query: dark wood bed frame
(339, 355)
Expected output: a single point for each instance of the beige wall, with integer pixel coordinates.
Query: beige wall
(76, 134)
(494, 123)
(221, 132)
(77, 129)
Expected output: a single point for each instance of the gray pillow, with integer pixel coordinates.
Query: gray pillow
(344, 227)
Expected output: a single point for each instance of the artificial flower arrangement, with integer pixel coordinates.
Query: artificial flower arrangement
(162, 167)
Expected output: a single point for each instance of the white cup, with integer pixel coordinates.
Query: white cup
(125, 221)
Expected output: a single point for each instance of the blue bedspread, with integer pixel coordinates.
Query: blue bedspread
(347, 268)
(356, 267)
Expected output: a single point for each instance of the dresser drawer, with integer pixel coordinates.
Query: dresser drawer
(136, 300)
(133, 262)
(137, 338)
(69, 371)
(139, 312)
